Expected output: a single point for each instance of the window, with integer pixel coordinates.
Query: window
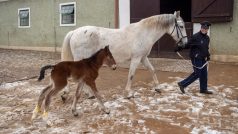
(67, 14)
(24, 17)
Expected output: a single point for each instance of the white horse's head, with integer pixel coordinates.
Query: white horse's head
(178, 31)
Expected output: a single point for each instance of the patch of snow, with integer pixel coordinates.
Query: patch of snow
(141, 121)
(12, 85)
(205, 130)
(234, 109)
(142, 107)
(228, 91)
(22, 130)
(112, 104)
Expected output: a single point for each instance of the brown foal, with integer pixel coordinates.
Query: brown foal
(84, 72)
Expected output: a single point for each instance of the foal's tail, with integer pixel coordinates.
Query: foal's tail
(66, 54)
(42, 71)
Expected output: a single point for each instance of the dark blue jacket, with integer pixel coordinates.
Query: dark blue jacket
(199, 46)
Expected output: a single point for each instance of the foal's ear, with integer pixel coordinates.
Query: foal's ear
(107, 47)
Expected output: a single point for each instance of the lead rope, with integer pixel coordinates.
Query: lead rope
(192, 64)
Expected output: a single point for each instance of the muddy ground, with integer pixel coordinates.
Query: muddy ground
(149, 112)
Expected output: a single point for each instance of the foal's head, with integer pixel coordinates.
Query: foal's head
(109, 60)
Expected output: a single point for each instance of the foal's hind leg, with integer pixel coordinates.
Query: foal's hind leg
(148, 65)
(76, 97)
(40, 100)
(92, 85)
(52, 92)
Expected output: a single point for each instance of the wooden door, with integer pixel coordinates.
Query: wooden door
(140, 9)
(212, 10)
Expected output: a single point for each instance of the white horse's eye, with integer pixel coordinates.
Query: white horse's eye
(181, 26)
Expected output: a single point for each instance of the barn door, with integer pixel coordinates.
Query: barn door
(212, 10)
(140, 9)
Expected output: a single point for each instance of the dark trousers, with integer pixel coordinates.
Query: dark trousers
(197, 73)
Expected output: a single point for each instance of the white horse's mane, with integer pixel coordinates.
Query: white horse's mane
(164, 20)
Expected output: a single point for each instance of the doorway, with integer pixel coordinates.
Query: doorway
(140, 9)
(184, 6)
(166, 43)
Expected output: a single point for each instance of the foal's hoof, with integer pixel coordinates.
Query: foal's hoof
(129, 97)
(158, 90)
(91, 97)
(34, 115)
(35, 112)
(63, 98)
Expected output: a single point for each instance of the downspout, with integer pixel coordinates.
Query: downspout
(55, 44)
(116, 13)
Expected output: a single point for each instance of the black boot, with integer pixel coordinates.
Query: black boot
(181, 88)
(206, 92)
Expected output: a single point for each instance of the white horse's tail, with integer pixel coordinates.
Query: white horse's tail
(66, 53)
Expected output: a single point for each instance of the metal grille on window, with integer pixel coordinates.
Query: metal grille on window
(67, 12)
(24, 17)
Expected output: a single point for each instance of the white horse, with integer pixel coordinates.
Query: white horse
(132, 43)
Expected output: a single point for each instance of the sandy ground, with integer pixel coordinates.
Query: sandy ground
(149, 112)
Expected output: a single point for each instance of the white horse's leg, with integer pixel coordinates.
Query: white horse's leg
(88, 91)
(145, 61)
(134, 64)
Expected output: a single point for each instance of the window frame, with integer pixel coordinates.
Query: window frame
(29, 10)
(60, 14)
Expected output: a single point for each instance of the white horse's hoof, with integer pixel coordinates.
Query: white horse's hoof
(75, 113)
(106, 110)
(130, 95)
(157, 89)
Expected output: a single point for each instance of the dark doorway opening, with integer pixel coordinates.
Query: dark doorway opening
(184, 6)
(166, 44)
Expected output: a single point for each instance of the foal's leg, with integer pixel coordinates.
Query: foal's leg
(40, 100)
(92, 85)
(134, 64)
(76, 97)
(52, 92)
(148, 65)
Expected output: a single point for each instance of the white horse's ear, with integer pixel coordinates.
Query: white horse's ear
(177, 14)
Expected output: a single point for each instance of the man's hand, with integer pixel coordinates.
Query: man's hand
(178, 48)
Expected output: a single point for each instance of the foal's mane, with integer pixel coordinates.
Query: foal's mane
(94, 56)
(162, 21)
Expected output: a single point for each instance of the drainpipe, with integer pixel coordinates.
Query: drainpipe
(8, 38)
(116, 13)
(55, 44)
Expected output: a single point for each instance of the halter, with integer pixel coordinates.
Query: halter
(178, 30)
